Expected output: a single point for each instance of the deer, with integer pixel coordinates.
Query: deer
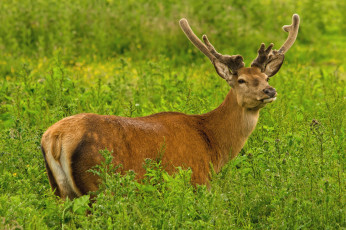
(71, 146)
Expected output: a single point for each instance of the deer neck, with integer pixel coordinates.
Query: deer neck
(229, 126)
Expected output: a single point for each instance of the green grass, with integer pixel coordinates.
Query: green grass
(60, 58)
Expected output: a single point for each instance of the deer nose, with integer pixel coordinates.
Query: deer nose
(271, 92)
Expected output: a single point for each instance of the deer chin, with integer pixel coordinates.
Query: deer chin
(268, 100)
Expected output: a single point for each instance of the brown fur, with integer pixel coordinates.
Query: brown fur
(192, 141)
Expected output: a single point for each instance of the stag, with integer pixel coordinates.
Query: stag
(71, 147)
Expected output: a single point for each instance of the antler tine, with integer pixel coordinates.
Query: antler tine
(292, 34)
(211, 47)
(262, 57)
(194, 39)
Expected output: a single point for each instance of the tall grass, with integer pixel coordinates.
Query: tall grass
(146, 29)
(59, 58)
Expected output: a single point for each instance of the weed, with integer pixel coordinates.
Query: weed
(60, 58)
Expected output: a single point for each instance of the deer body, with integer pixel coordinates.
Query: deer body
(71, 146)
(183, 140)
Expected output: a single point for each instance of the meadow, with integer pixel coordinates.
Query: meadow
(130, 58)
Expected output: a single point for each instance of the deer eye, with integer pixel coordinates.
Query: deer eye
(241, 81)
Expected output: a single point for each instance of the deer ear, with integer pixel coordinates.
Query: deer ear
(222, 70)
(274, 64)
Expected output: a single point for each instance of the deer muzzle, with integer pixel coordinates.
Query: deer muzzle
(271, 92)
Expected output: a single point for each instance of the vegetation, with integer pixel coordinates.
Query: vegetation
(129, 58)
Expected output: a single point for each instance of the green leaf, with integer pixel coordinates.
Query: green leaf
(81, 204)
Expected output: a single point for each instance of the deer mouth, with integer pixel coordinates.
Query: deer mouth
(268, 100)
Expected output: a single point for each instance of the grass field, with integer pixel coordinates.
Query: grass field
(130, 58)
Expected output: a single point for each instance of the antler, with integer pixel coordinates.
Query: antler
(233, 62)
(262, 57)
(292, 34)
(270, 61)
(194, 39)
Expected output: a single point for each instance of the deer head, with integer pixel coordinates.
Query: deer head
(250, 84)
